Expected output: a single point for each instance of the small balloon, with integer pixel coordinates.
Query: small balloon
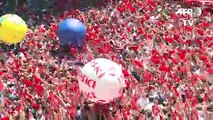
(71, 32)
(101, 80)
(13, 29)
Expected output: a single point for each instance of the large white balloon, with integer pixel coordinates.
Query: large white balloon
(101, 80)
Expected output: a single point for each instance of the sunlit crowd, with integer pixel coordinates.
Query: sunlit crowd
(168, 66)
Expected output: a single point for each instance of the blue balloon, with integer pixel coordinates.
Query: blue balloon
(71, 32)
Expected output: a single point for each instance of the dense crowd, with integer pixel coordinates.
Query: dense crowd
(168, 67)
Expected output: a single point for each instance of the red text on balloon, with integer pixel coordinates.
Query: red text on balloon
(90, 94)
(100, 73)
(89, 82)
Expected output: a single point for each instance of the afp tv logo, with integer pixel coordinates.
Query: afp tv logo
(195, 12)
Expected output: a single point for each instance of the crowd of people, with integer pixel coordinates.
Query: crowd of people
(168, 67)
